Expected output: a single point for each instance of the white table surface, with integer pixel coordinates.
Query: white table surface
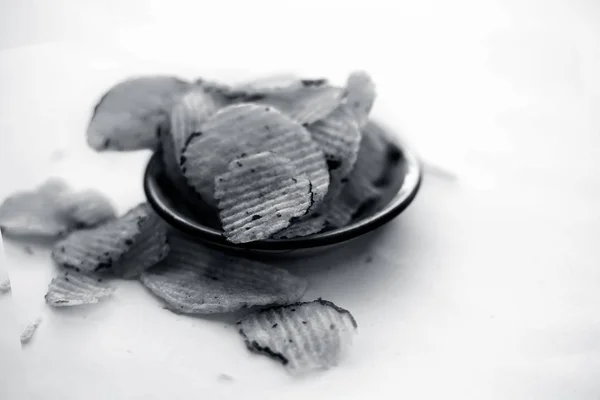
(485, 287)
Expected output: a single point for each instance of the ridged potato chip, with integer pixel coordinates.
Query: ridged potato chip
(307, 104)
(304, 336)
(361, 95)
(186, 117)
(363, 187)
(38, 212)
(308, 225)
(260, 195)
(194, 279)
(339, 137)
(140, 231)
(88, 208)
(248, 129)
(319, 217)
(27, 334)
(74, 289)
(278, 84)
(150, 247)
(127, 116)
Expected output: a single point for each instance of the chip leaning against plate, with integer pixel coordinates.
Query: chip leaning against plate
(194, 279)
(140, 234)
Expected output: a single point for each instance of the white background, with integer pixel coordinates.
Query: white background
(488, 286)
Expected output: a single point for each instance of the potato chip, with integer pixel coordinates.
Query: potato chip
(127, 116)
(339, 137)
(278, 84)
(304, 336)
(306, 105)
(308, 225)
(335, 210)
(361, 95)
(249, 129)
(319, 217)
(139, 232)
(227, 94)
(88, 208)
(37, 213)
(150, 247)
(30, 330)
(194, 279)
(5, 286)
(359, 189)
(259, 196)
(185, 119)
(74, 289)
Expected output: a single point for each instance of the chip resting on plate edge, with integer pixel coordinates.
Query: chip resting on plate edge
(361, 95)
(127, 116)
(194, 279)
(277, 84)
(362, 188)
(126, 246)
(304, 336)
(260, 195)
(186, 117)
(72, 288)
(239, 130)
(338, 135)
(307, 104)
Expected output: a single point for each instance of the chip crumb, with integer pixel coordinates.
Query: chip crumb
(57, 155)
(225, 378)
(28, 250)
(29, 331)
(5, 286)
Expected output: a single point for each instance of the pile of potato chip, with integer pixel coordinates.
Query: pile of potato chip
(278, 157)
